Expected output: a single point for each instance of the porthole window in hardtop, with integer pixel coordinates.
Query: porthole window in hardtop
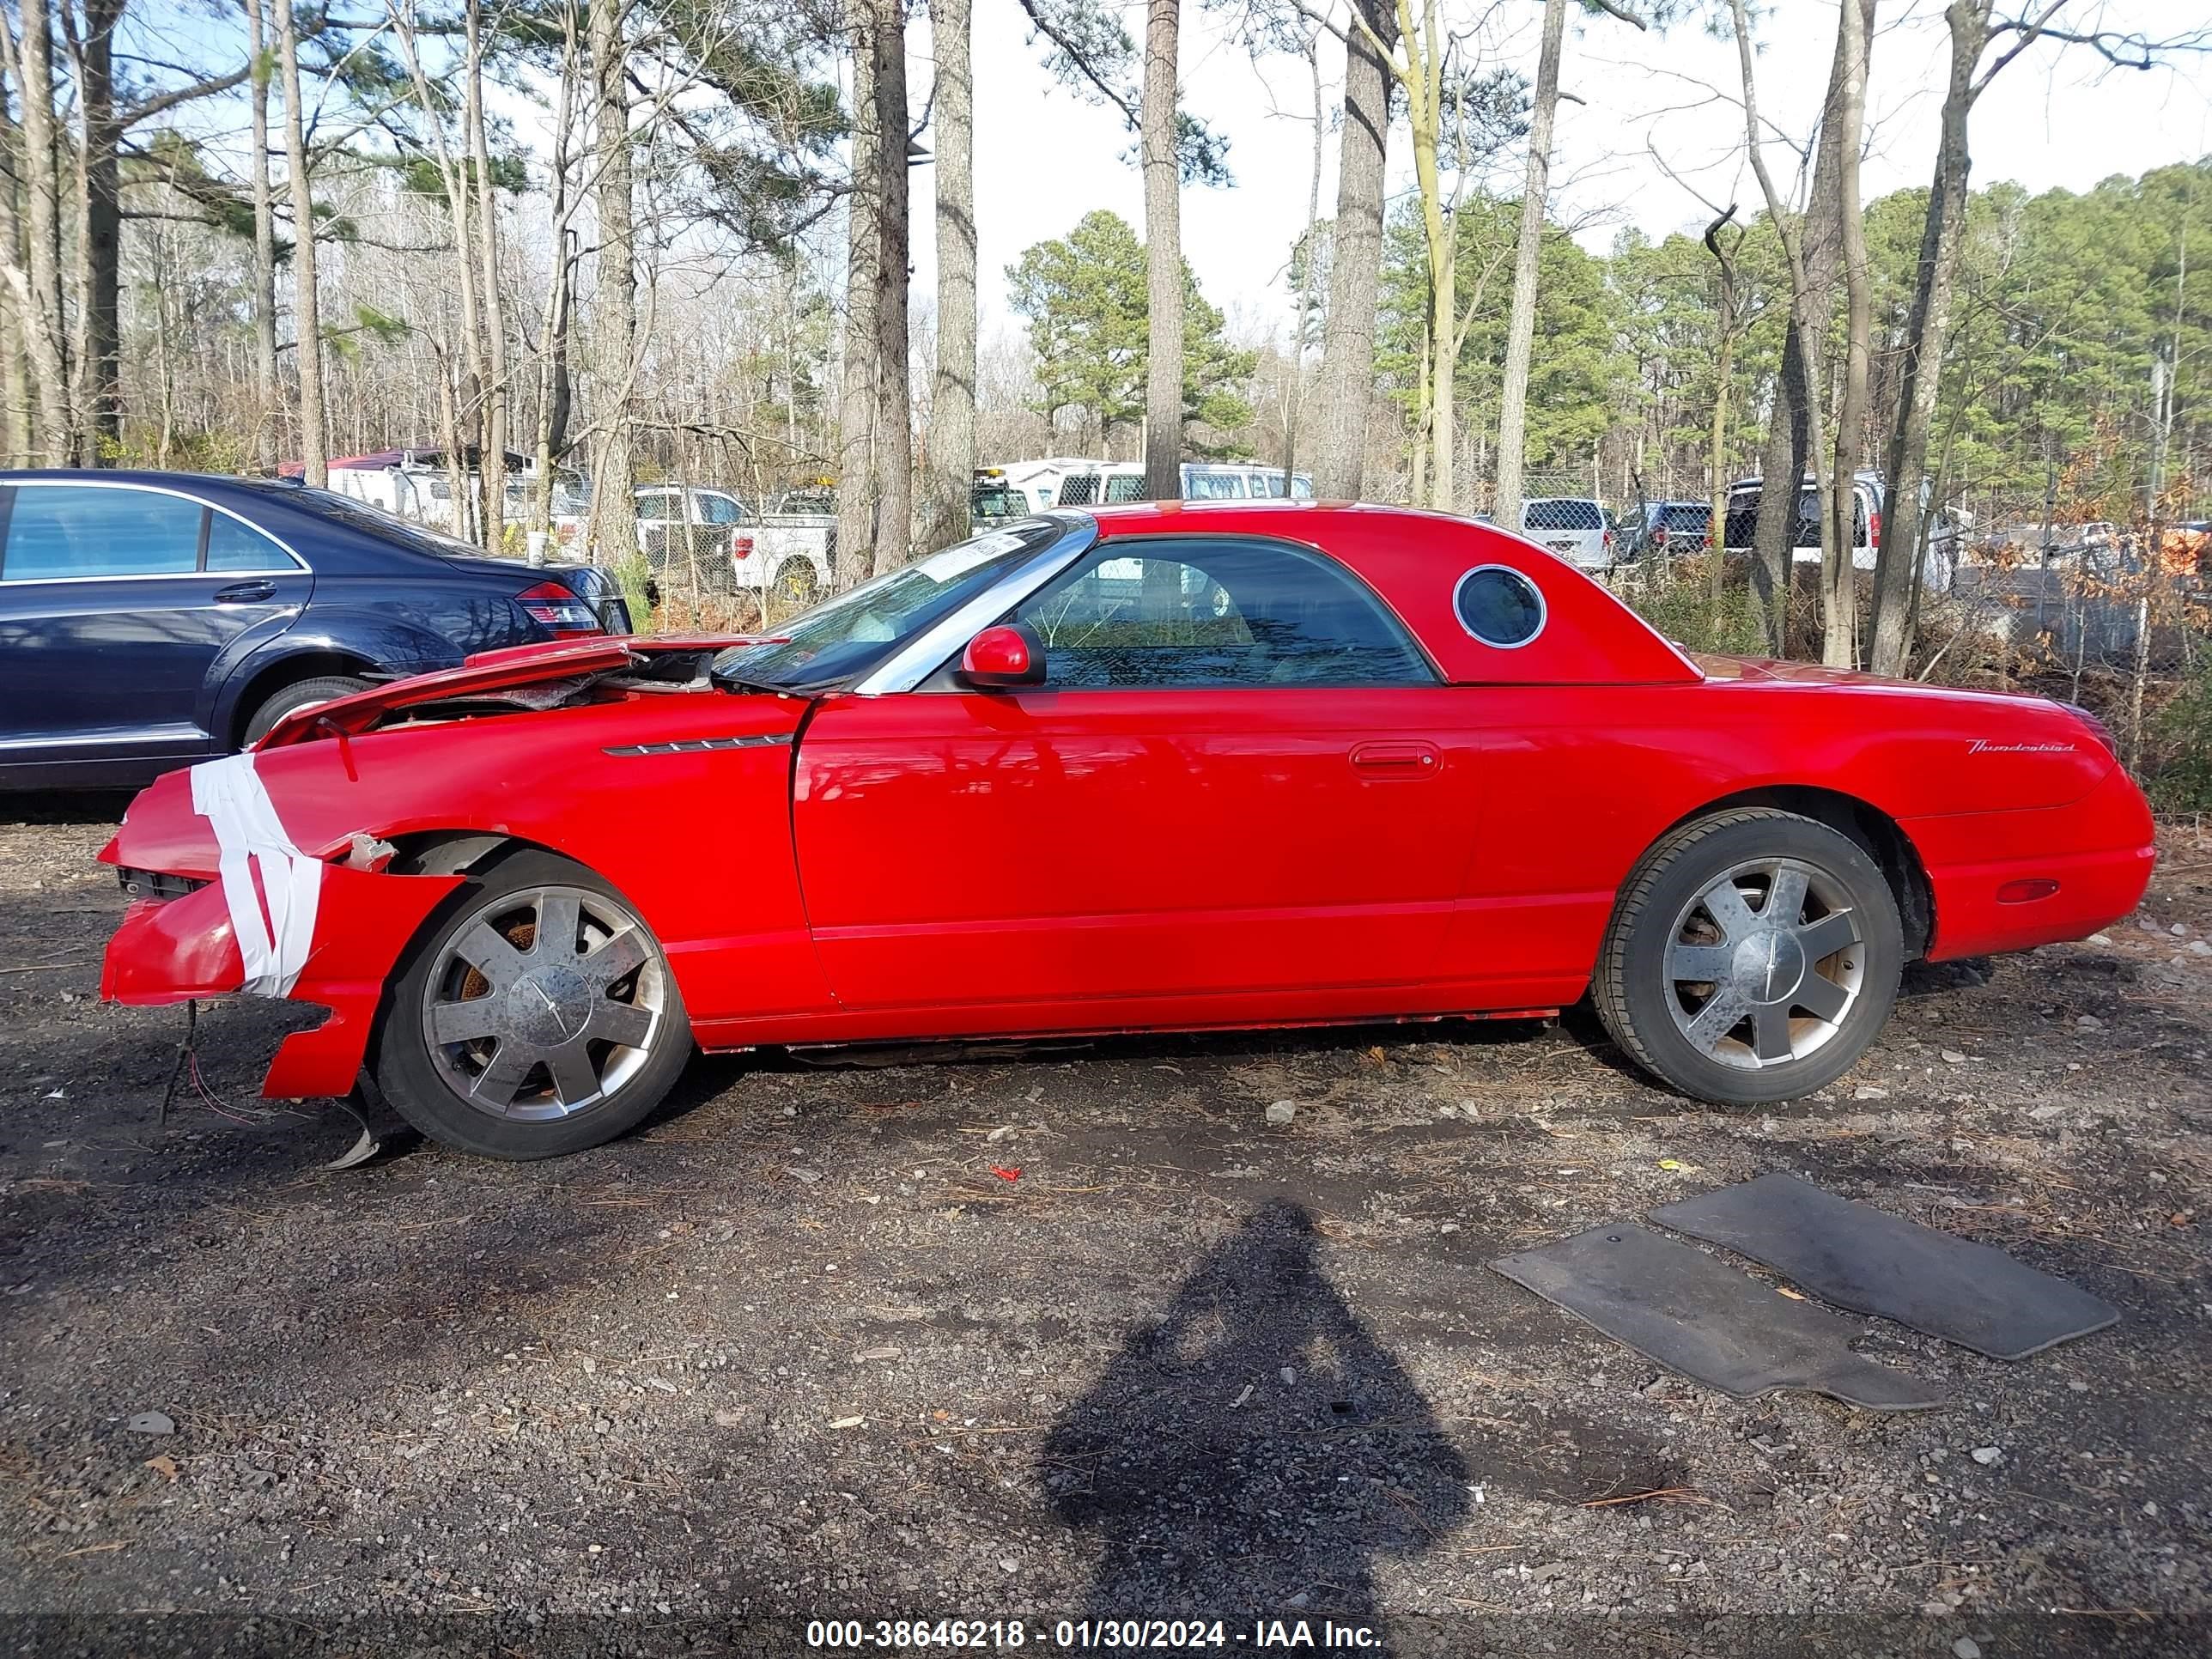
(1499, 606)
(1142, 612)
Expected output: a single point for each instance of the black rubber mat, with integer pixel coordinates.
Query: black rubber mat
(1699, 1317)
(1873, 1262)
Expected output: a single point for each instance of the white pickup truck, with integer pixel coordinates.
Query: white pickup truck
(684, 529)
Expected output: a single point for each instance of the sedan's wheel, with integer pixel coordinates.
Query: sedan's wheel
(539, 1017)
(1753, 957)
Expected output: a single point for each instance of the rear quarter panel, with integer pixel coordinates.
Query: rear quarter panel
(1579, 782)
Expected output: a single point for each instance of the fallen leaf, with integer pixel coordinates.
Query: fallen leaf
(1792, 1295)
(165, 1466)
(848, 1422)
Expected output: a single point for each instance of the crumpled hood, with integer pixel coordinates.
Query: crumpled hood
(480, 775)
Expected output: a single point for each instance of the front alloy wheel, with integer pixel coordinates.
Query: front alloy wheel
(544, 1004)
(539, 1017)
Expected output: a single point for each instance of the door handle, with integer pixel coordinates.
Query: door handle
(1396, 760)
(246, 592)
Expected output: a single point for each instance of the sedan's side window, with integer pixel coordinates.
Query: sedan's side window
(233, 544)
(1229, 612)
(64, 532)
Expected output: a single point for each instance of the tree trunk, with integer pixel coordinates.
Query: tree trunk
(1927, 333)
(1839, 631)
(614, 305)
(553, 321)
(1793, 439)
(103, 235)
(1346, 388)
(265, 425)
(857, 410)
(306, 327)
(1521, 333)
(1723, 369)
(43, 335)
(953, 401)
(1442, 305)
(894, 445)
(14, 381)
(1163, 280)
(491, 464)
(1294, 399)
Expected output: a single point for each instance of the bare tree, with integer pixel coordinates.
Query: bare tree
(308, 348)
(894, 442)
(952, 400)
(614, 302)
(1520, 325)
(1346, 387)
(1727, 324)
(1796, 436)
(1839, 604)
(857, 409)
(37, 280)
(265, 425)
(1164, 278)
(1910, 509)
(491, 465)
(1295, 394)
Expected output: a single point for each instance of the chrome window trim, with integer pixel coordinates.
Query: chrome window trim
(298, 567)
(1543, 606)
(905, 669)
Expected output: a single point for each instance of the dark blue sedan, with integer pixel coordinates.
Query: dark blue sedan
(150, 619)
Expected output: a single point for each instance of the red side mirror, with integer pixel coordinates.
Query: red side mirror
(1009, 654)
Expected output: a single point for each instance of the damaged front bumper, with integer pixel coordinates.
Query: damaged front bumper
(170, 950)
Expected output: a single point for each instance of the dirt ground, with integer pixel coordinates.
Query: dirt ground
(799, 1349)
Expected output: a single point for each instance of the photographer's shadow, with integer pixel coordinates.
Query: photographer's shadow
(1223, 1491)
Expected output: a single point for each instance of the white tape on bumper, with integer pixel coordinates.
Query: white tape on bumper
(250, 838)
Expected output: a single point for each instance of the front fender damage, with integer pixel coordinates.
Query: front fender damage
(274, 922)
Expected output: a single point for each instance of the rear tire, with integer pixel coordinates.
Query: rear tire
(1753, 957)
(327, 688)
(536, 1017)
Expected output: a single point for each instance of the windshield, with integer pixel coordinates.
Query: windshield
(851, 634)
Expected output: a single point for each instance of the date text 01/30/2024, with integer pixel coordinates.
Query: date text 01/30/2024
(1094, 1635)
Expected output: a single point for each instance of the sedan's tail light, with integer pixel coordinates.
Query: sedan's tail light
(560, 609)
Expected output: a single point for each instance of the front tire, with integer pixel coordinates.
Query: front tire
(538, 1016)
(1753, 957)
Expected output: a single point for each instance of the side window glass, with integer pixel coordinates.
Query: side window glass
(653, 507)
(1217, 614)
(1124, 487)
(720, 509)
(232, 546)
(60, 531)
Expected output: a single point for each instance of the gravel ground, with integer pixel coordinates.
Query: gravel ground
(1078, 1332)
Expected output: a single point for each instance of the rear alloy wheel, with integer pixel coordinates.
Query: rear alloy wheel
(1753, 957)
(537, 1017)
(301, 694)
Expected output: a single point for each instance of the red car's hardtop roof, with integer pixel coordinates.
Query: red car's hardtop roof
(1416, 559)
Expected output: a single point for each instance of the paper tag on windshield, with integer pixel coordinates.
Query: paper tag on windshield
(959, 560)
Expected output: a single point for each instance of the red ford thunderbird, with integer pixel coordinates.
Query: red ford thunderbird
(1142, 768)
